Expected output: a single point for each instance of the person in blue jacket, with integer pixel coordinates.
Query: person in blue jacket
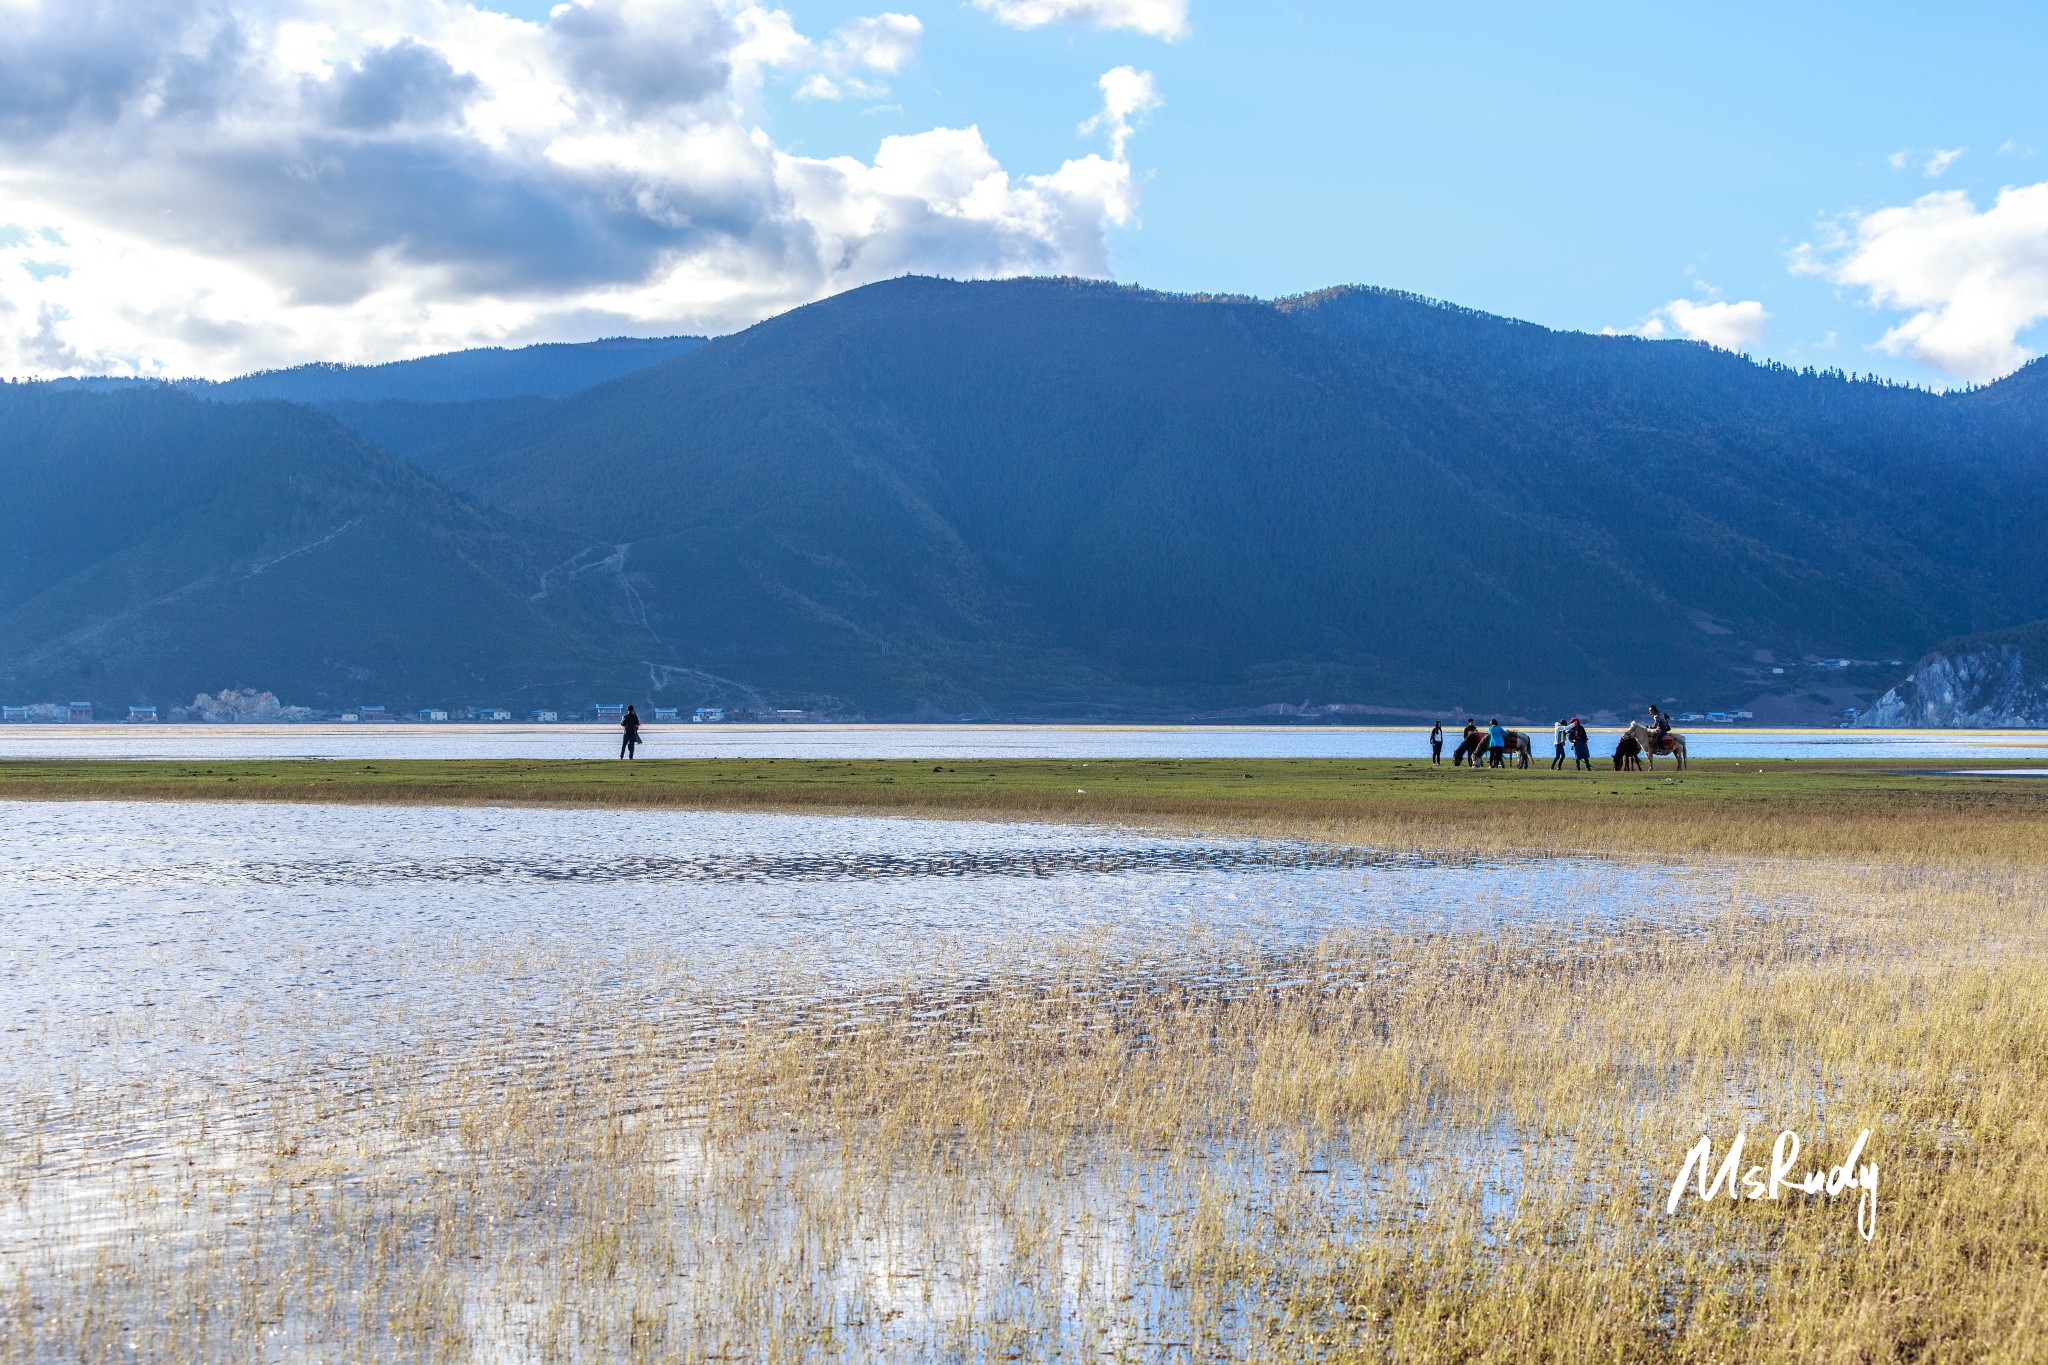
(1496, 744)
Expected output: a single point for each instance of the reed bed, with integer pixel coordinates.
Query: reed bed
(1417, 1146)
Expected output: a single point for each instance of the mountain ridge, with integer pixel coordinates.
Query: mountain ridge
(549, 369)
(842, 384)
(1067, 499)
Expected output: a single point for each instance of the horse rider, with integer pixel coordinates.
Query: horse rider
(1660, 730)
(1496, 744)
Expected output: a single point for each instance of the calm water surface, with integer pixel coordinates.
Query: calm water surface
(930, 741)
(148, 946)
(146, 935)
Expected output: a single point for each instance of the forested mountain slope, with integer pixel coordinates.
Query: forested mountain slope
(2024, 392)
(1032, 498)
(153, 546)
(1049, 497)
(410, 406)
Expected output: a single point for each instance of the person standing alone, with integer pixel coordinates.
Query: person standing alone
(1436, 745)
(630, 740)
(1558, 733)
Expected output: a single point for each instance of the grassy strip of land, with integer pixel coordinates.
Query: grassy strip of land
(1858, 808)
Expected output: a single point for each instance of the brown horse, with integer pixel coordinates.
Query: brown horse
(1474, 749)
(1628, 755)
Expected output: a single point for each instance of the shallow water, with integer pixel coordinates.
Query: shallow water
(139, 936)
(929, 741)
(159, 962)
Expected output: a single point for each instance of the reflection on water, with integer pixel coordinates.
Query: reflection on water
(928, 741)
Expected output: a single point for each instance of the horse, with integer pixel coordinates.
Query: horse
(1474, 745)
(1628, 755)
(1674, 744)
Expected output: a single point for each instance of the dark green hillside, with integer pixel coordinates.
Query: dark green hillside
(551, 370)
(2024, 391)
(410, 429)
(1032, 498)
(1046, 497)
(153, 546)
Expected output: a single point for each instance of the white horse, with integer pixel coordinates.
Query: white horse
(1641, 734)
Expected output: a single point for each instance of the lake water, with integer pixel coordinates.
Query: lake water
(161, 964)
(388, 741)
(149, 936)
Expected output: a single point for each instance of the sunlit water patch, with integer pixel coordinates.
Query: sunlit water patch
(136, 936)
(507, 1081)
(591, 741)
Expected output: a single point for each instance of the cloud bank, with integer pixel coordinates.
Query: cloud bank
(211, 186)
(1970, 280)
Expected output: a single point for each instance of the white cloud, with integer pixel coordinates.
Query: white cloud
(212, 186)
(1731, 326)
(1900, 159)
(885, 42)
(1128, 94)
(1972, 280)
(1938, 162)
(1160, 18)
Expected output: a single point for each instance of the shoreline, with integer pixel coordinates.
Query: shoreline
(1420, 727)
(1800, 807)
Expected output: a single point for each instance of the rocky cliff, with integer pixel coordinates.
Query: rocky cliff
(1992, 681)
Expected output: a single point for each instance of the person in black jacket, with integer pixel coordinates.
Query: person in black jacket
(630, 740)
(1436, 745)
(1660, 730)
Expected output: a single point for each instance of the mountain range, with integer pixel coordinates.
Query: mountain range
(1026, 499)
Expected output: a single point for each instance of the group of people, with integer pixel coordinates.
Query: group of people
(1572, 732)
(1565, 733)
(1495, 743)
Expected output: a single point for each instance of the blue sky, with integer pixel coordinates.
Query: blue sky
(1758, 175)
(1577, 165)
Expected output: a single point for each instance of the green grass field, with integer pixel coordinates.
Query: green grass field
(1782, 806)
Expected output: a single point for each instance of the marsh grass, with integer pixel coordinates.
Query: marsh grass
(1396, 1145)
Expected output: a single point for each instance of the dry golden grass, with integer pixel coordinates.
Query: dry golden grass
(1407, 1146)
